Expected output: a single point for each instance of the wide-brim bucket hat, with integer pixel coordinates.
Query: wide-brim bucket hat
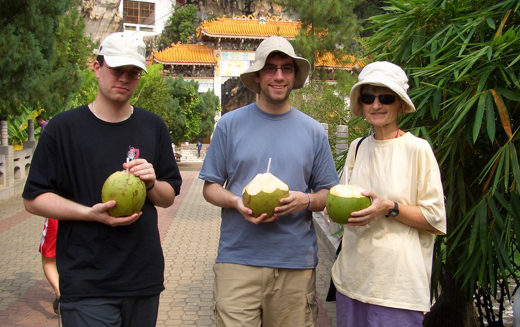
(268, 46)
(381, 73)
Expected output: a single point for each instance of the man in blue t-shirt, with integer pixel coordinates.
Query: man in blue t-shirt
(265, 268)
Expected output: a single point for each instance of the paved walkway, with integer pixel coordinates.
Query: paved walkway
(189, 232)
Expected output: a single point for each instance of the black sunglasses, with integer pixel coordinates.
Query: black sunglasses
(383, 98)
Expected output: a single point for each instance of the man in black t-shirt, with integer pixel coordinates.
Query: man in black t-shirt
(111, 268)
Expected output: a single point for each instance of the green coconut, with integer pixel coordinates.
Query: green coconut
(128, 190)
(264, 193)
(343, 200)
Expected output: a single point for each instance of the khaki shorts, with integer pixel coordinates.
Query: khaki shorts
(261, 296)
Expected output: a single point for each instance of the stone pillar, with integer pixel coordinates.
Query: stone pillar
(30, 130)
(31, 143)
(3, 132)
(341, 135)
(326, 127)
(7, 153)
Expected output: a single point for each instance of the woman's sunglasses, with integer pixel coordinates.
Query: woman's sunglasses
(383, 98)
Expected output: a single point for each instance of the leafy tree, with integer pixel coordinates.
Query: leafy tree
(36, 69)
(86, 92)
(193, 116)
(180, 27)
(322, 102)
(327, 104)
(73, 49)
(186, 96)
(463, 59)
(153, 94)
(367, 9)
(207, 107)
(327, 26)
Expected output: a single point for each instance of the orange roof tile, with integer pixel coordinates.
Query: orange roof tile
(248, 27)
(187, 54)
(329, 61)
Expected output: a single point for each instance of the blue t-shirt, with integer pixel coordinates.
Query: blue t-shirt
(241, 146)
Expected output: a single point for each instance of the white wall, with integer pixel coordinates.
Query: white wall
(163, 10)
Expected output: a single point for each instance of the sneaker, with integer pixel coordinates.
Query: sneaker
(56, 304)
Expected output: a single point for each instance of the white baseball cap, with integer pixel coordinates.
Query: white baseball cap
(123, 49)
(269, 45)
(381, 73)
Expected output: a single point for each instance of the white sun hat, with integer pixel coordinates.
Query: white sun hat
(269, 45)
(381, 73)
(123, 49)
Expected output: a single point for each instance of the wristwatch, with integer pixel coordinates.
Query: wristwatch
(394, 212)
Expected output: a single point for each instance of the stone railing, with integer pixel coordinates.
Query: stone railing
(14, 165)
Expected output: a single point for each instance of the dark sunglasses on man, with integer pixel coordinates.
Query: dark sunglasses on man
(383, 98)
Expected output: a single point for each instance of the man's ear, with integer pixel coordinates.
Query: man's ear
(96, 67)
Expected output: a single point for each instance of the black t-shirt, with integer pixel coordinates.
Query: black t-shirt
(73, 158)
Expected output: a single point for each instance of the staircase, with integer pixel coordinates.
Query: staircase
(188, 153)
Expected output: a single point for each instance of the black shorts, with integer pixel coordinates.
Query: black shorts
(138, 311)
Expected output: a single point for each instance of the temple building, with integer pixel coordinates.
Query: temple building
(227, 48)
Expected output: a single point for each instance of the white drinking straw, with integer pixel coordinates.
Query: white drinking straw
(269, 165)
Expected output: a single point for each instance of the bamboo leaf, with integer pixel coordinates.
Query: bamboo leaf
(514, 164)
(490, 22)
(508, 93)
(479, 116)
(484, 78)
(490, 117)
(515, 213)
(506, 167)
(466, 107)
(504, 117)
(491, 270)
(481, 217)
(498, 173)
(502, 23)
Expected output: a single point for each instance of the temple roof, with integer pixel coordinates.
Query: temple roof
(328, 61)
(248, 27)
(187, 54)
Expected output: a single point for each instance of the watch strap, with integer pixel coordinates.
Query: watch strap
(394, 212)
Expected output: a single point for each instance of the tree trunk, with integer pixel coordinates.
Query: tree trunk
(451, 309)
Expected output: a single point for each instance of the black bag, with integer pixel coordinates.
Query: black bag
(331, 295)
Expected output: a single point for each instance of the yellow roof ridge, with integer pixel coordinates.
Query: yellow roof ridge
(250, 27)
(187, 54)
(328, 60)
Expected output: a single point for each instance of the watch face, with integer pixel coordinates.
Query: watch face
(393, 213)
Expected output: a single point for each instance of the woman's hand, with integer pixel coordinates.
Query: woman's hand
(380, 206)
